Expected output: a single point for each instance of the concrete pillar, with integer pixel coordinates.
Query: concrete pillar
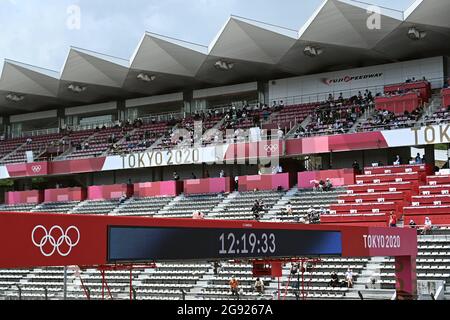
(188, 99)
(406, 278)
(61, 114)
(263, 92)
(327, 161)
(430, 155)
(121, 110)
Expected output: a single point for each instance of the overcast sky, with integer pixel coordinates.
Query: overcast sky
(37, 32)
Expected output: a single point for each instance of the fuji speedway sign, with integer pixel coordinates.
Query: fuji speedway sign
(347, 79)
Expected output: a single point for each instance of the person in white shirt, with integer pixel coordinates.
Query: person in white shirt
(259, 286)
(289, 210)
(197, 215)
(123, 198)
(349, 278)
(428, 226)
(280, 133)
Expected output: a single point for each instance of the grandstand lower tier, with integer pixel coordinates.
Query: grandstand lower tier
(374, 278)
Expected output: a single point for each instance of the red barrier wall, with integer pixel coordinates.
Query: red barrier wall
(446, 97)
(109, 192)
(339, 178)
(376, 220)
(399, 104)
(266, 182)
(424, 87)
(89, 239)
(22, 197)
(64, 195)
(28, 169)
(205, 186)
(422, 168)
(158, 189)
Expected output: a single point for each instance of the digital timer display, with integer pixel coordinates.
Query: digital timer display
(139, 244)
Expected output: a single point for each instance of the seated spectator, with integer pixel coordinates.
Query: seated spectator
(257, 208)
(349, 278)
(330, 98)
(412, 224)
(289, 210)
(418, 159)
(334, 280)
(315, 185)
(372, 282)
(198, 215)
(428, 226)
(321, 185)
(259, 286)
(392, 220)
(397, 161)
(176, 177)
(123, 198)
(222, 174)
(356, 166)
(280, 133)
(328, 185)
(234, 287)
(216, 267)
(193, 176)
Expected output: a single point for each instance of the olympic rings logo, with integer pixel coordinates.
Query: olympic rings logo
(55, 240)
(271, 148)
(36, 169)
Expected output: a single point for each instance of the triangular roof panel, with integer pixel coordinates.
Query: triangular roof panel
(156, 54)
(85, 67)
(344, 24)
(26, 79)
(249, 42)
(429, 12)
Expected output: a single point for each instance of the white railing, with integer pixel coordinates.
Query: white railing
(92, 125)
(35, 133)
(162, 117)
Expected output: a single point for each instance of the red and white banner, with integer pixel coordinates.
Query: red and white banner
(230, 153)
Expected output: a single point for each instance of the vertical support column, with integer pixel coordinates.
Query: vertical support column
(263, 92)
(430, 156)
(103, 284)
(326, 161)
(61, 114)
(131, 283)
(121, 111)
(406, 278)
(188, 101)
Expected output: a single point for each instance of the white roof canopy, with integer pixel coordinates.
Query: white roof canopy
(252, 50)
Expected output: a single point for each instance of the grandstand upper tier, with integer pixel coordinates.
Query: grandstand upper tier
(356, 84)
(243, 50)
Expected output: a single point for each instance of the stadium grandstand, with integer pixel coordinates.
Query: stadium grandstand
(323, 130)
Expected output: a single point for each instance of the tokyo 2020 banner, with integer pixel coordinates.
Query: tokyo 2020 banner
(263, 152)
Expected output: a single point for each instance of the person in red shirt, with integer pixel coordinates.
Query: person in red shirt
(392, 220)
(234, 286)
